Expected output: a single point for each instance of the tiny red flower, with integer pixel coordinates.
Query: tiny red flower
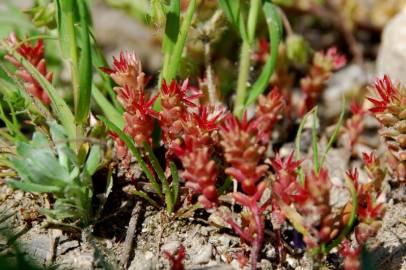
(338, 60)
(386, 91)
(368, 209)
(176, 94)
(286, 185)
(369, 159)
(127, 71)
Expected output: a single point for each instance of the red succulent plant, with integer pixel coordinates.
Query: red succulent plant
(35, 55)
(320, 72)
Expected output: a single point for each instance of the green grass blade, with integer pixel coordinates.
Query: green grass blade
(335, 133)
(175, 182)
(62, 110)
(298, 141)
(134, 150)
(85, 67)
(108, 109)
(65, 22)
(161, 175)
(316, 165)
(170, 36)
(32, 187)
(145, 196)
(353, 216)
(180, 43)
(275, 33)
(232, 10)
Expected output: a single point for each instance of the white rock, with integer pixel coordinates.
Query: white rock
(203, 255)
(341, 83)
(392, 53)
(171, 246)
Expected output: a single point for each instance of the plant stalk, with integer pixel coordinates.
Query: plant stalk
(243, 74)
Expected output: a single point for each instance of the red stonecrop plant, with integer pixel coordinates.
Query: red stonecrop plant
(138, 114)
(389, 107)
(244, 143)
(35, 55)
(320, 72)
(354, 126)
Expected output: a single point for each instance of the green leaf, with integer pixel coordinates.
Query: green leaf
(170, 37)
(58, 104)
(180, 42)
(85, 67)
(172, 26)
(232, 10)
(93, 160)
(316, 165)
(108, 109)
(59, 137)
(175, 181)
(65, 22)
(275, 33)
(134, 150)
(31, 187)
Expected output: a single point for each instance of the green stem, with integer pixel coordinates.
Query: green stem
(245, 56)
(73, 56)
(161, 175)
(252, 19)
(243, 74)
(314, 143)
(349, 225)
(180, 43)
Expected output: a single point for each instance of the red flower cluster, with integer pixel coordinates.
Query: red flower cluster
(35, 55)
(320, 72)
